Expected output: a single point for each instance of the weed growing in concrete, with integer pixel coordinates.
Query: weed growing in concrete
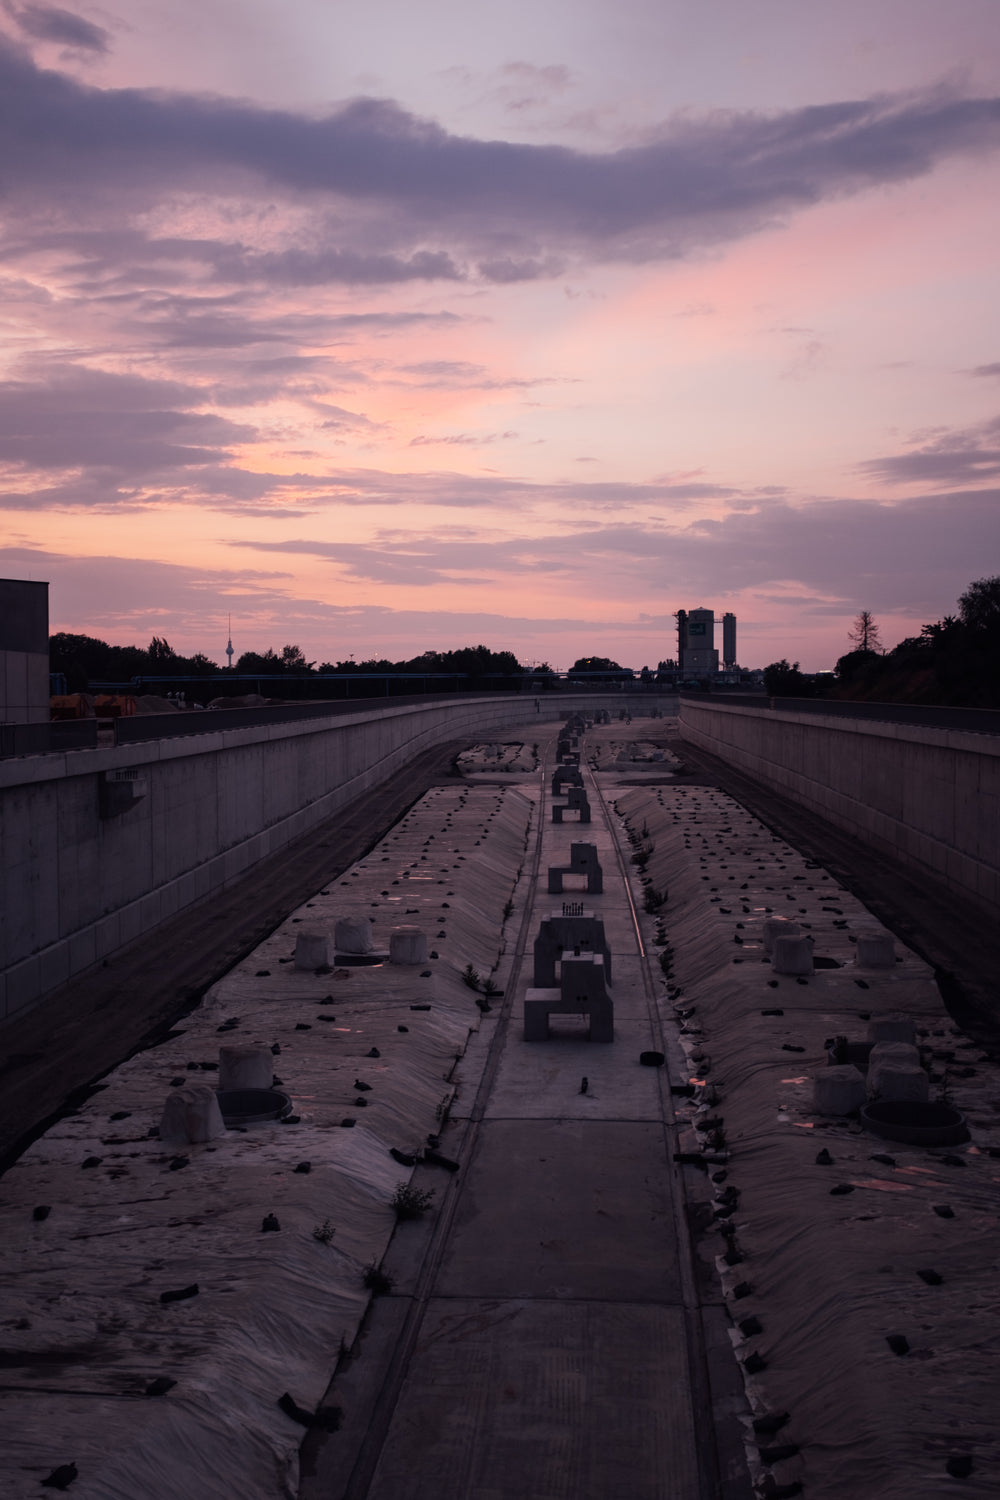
(378, 1282)
(652, 899)
(470, 976)
(324, 1232)
(408, 1202)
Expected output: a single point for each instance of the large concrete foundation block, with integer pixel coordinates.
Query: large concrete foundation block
(245, 1067)
(775, 927)
(894, 1072)
(407, 945)
(353, 935)
(876, 950)
(191, 1115)
(313, 948)
(792, 955)
(838, 1090)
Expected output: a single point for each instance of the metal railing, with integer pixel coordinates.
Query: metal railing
(47, 739)
(133, 731)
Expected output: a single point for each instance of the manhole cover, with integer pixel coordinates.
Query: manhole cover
(252, 1106)
(914, 1123)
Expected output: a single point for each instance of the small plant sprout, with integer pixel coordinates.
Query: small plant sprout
(470, 976)
(324, 1232)
(408, 1202)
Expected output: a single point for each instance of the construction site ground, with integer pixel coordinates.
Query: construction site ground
(621, 1275)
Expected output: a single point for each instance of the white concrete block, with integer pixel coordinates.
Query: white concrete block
(313, 948)
(407, 945)
(353, 935)
(191, 1115)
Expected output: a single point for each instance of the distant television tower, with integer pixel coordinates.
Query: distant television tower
(229, 643)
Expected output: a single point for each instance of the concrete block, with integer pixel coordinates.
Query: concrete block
(353, 935)
(246, 1067)
(894, 1072)
(314, 948)
(191, 1115)
(407, 945)
(775, 927)
(876, 950)
(792, 955)
(838, 1090)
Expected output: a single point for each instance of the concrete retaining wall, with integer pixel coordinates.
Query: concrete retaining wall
(85, 870)
(929, 796)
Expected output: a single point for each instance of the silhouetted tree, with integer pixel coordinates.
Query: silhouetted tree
(595, 664)
(979, 606)
(783, 679)
(865, 633)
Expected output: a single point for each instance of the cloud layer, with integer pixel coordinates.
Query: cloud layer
(438, 376)
(451, 205)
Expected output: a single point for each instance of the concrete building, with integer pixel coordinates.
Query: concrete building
(729, 639)
(24, 652)
(697, 653)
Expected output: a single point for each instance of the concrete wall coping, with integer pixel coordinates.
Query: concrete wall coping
(971, 740)
(31, 769)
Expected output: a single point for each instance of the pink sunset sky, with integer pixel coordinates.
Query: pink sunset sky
(385, 327)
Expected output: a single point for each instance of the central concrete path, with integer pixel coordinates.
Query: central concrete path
(552, 1347)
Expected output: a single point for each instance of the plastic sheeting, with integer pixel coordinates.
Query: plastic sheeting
(831, 1251)
(84, 1332)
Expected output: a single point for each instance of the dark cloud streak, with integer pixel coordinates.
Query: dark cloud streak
(49, 23)
(412, 184)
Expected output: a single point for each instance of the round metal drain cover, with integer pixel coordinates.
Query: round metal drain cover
(252, 1106)
(914, 1123)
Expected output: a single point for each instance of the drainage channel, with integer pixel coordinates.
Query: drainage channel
(714, 1381)
(513, 1317)
(357, 1484)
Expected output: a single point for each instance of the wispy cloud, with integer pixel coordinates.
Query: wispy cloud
(962, 457)
(895, 556)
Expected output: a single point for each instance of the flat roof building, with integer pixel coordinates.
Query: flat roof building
(24, 652)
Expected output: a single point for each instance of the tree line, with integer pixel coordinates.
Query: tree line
(84, 659)
(954, 661)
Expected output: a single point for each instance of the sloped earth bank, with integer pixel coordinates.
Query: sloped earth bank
(860, 1273)
(366, 1055)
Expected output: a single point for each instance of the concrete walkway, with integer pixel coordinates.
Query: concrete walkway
(548, 1346)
